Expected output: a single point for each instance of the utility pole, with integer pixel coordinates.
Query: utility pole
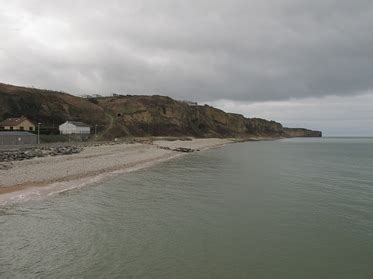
(39, 132)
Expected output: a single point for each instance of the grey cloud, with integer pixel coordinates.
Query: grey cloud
(334, 115)
(204, 50)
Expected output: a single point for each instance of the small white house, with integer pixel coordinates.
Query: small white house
(189, 103)
(74, 127)
(86, 96)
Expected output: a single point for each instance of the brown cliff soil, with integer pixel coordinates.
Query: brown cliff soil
(136, 115)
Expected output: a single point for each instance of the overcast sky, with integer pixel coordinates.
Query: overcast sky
(301, 62)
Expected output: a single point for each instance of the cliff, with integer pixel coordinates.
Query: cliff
(48, 107)
(300, 132)
(137, 115)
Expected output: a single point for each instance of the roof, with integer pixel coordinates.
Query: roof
(17, 134)
(14, 121)
(78, 124)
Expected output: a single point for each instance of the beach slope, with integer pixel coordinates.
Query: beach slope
(94, 161)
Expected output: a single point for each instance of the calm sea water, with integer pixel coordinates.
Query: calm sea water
(299, 208)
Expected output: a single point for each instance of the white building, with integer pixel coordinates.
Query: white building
(74, 127)
(189, 103)
(86, 96)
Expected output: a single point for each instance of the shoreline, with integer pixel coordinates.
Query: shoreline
(43, 176)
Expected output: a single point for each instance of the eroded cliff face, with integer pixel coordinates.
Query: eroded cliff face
(137, 115)
(163, 116)
(300, 132)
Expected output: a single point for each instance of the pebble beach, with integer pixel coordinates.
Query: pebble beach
(93, 161)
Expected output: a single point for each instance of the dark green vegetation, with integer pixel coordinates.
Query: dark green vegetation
(136, 115)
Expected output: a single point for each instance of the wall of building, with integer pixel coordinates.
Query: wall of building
(69, 129)
(24, 126)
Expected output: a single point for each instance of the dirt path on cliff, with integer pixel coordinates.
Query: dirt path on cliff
(111, 124)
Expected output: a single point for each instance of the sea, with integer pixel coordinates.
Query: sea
(292, 208)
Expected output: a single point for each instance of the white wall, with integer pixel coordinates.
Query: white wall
(68, 129)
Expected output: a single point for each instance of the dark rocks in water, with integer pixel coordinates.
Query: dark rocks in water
(179, 149)
(183, 149)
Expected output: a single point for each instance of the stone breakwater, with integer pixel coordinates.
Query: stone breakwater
(7, 157)
(179, 149)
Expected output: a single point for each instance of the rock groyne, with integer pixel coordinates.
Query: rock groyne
(36, 152)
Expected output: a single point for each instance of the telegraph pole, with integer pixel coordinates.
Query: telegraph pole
(39, 132)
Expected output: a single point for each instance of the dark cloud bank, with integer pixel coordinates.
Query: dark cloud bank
(243, 51)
